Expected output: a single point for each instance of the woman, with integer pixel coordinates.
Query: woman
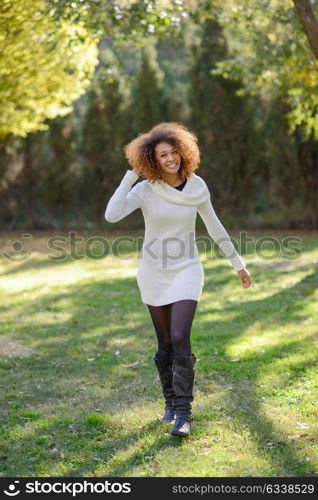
(170, 275)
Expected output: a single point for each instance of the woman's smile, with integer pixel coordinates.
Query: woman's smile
(169, 160)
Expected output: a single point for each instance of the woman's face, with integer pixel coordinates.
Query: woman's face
(168, 157)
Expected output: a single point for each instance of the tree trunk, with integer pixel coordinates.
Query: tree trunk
(309, 23)
(29, 181)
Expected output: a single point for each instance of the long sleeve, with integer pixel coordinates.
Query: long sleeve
(219, 234)
(125, 199)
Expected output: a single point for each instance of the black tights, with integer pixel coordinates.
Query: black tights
(173, 323)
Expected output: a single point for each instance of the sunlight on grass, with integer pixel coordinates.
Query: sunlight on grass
(82, 397)
(248, 343)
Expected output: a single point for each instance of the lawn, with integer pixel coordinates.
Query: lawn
(79, 390)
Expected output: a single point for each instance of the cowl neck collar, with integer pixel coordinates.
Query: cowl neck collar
(193, 193)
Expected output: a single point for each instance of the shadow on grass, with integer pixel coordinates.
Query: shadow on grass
(283, 453)
(61, 364)
(67, 250)
(87, 446)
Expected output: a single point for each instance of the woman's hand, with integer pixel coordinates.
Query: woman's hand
(137, 170)
(245, 277)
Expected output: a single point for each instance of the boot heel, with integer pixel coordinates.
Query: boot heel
(182, 427)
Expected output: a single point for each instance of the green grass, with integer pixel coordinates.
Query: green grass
(81, 395)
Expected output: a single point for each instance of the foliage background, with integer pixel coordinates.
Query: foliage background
(81, 79)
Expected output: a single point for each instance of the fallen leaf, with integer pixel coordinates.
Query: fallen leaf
(302, 426)
(132, 365)
(205, 452)
(295, 436)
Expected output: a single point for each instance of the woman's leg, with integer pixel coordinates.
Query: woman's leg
(163, 359)
(161, 318)
(182, 314)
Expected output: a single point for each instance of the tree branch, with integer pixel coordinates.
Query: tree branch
(309, 23)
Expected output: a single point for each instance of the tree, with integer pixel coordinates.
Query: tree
(173, 61)
(222, 121)
(10, 167)
(58, 171)
(124, 19)
(269, 51)
(48, 51)
(44, 65)
(148, 94)
(309, 23)
(103, 138)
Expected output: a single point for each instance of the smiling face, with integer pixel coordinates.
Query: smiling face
(168, 157)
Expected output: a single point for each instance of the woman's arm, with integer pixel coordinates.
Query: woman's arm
(124, 200)
(219, 234)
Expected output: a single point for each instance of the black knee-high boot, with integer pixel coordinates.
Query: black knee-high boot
(182, 384)
(164, 367)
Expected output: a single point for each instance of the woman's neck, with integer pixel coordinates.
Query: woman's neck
(172, 179)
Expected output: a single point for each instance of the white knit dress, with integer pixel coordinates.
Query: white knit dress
(169, 266)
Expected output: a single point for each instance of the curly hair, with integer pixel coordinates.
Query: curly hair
(140, 152)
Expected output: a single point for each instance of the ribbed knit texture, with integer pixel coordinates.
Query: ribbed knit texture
(169, 267)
